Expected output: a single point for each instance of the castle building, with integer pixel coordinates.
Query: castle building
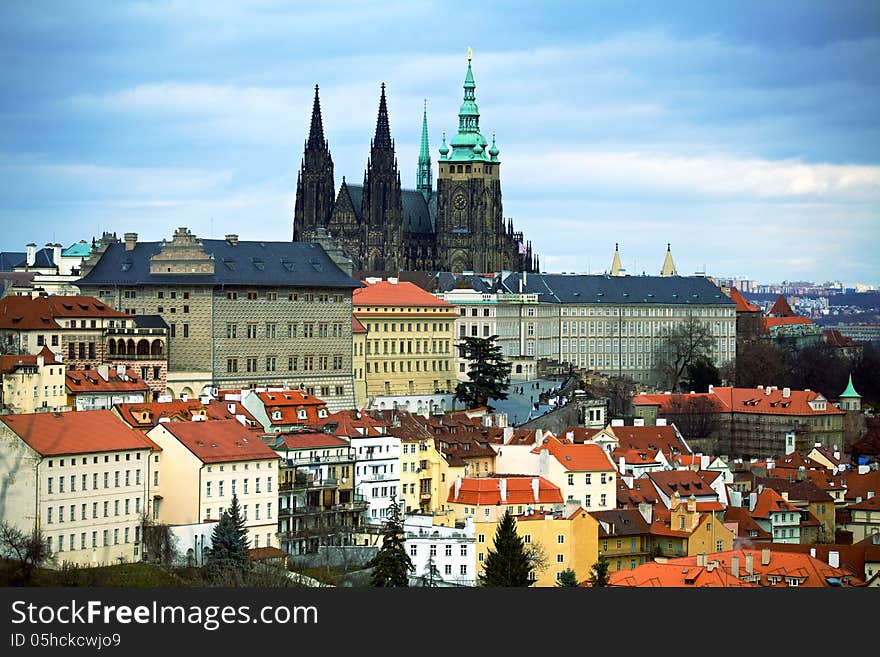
(383, 227)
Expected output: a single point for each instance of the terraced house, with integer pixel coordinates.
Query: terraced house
(240, 314)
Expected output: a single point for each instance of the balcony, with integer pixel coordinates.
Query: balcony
(303, 461)
(357, 506)
(135, 357)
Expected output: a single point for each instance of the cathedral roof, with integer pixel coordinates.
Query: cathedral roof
(294, 264)
(584, 288)
(417, 213)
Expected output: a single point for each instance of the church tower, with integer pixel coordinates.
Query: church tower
(471, 233)
(382, 204)
(315, 189)
(424, 177)
(668, 264)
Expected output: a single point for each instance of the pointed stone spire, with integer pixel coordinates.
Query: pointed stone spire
(383, 130)
(668, 264)
(316, 130)
(424, 177)
(616, 268)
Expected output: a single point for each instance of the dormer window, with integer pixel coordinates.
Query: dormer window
(276, 415)
(301, 414)
(322, 412)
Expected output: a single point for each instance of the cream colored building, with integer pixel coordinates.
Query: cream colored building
(359, 362)
(32, 384)
(204, 464)
(82, 479)
(409, 341)
(567, 539)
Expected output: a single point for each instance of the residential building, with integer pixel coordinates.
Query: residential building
(52, 270)
(583, 472)
(625, 536)
(410, 334)
(240, 314)
(566, 538)
(776, 516)
(82, 479)
(359, 362)
(317, 504)
(864, 519)
(141, 345)
(283, 410)
(204, 464)
(441, 555)
(32, 384)
(103, 388)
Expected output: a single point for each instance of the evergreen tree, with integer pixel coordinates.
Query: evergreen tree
(391, 565)
(508, 564)
(567, 578)
(488, 374)
(599, 572)
(229, 543)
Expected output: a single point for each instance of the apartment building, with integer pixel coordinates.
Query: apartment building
(80, 478)
(31, 384)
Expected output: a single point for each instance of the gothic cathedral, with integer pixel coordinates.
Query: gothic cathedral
(383, 227)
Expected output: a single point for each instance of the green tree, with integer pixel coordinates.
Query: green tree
(488, 372)
(391, 565)
(599, 572)
(702, 373)
(508, 564)
(567, 578)
(685, 343)
(228, 555)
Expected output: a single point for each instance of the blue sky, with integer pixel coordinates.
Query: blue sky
(746, 134)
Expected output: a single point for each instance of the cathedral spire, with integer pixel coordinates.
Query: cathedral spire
(316, 130)
(383, 131)
(424, 177)
(668, 264)
(616, 268)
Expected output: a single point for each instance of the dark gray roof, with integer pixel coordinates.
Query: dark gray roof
(417, 213)
(150, 321)
(9, 260)
(583, 288)
(291, 264)
(626, 522)
(446, 282)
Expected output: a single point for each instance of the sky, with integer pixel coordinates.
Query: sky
(746, 135)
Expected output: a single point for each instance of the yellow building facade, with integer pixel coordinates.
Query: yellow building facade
(32, 384)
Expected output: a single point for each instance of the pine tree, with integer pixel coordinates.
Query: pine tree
(391, 565)
(567, 578)
(488, 373)
(599, 572)
(229, 543)
(508, 564)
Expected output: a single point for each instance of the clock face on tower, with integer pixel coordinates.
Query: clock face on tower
(459, 201)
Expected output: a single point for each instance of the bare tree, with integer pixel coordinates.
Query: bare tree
(28, 550)
(695, 416)
(686, 342)
(159, 543)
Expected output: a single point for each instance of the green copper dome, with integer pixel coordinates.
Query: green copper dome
(468, 144)
(850, 390)
(493, 150)
(444, 149)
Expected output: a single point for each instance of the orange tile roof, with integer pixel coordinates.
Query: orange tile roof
(486, 491)
(743, 305)
(83, 306)
(859, 485)
(781, 308)
(289, 402)
(219, 441)
(10, 363)
(746, 527)
(23, 313)
(870, 504)
(770, 322)
(646, 439)
(635, 457)
(147, 414)
(769, 501)
(307, 440)
(580, 434)
(578, 457)
(402, 293)
(350, 425)
(80, 382)
(673, 575)
(74, 432)
(683, 482)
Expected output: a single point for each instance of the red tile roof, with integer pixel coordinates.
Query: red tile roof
(486, 491)
(580, 457)
(83, 306)
(645, 439)
(749, 400)
(147, 414)
(870, 504)
(23, 313)
(769, 501)
(353, 424)
(307, 440)
(383, 293)
(673, 575)
(771, 322)
(683, 482)
(746, 527)
(743, 305)
(219, 441)
(635, 457)
(356, 326)
(837, 339)
(80, 382)
(10, 363)
(859, 485)
(290, 402)
(579, 434)
(80, 432)
(781, 308)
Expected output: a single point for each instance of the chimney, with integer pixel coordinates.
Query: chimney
(392, 280)
(837, 455)
(639, 422)
(507, 434)
(863, 469)
(457, 487)
(701, 559)
(120, 371)
(753, 499)
(786, 393)
(130, 240)
(750, 569)
(621, 465)
(535, 482)
(813, 552)
(647, 511)
(104, 372)
(231, 408)
(734, 566)
(56, 254)
(711, 388)
(765, 557)
(184, 397)
(232, 238)
(543, 458)
(31, 254)
(834, 558)
(502, 486)
(661, 422)
(40, 360)
(617, 422)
